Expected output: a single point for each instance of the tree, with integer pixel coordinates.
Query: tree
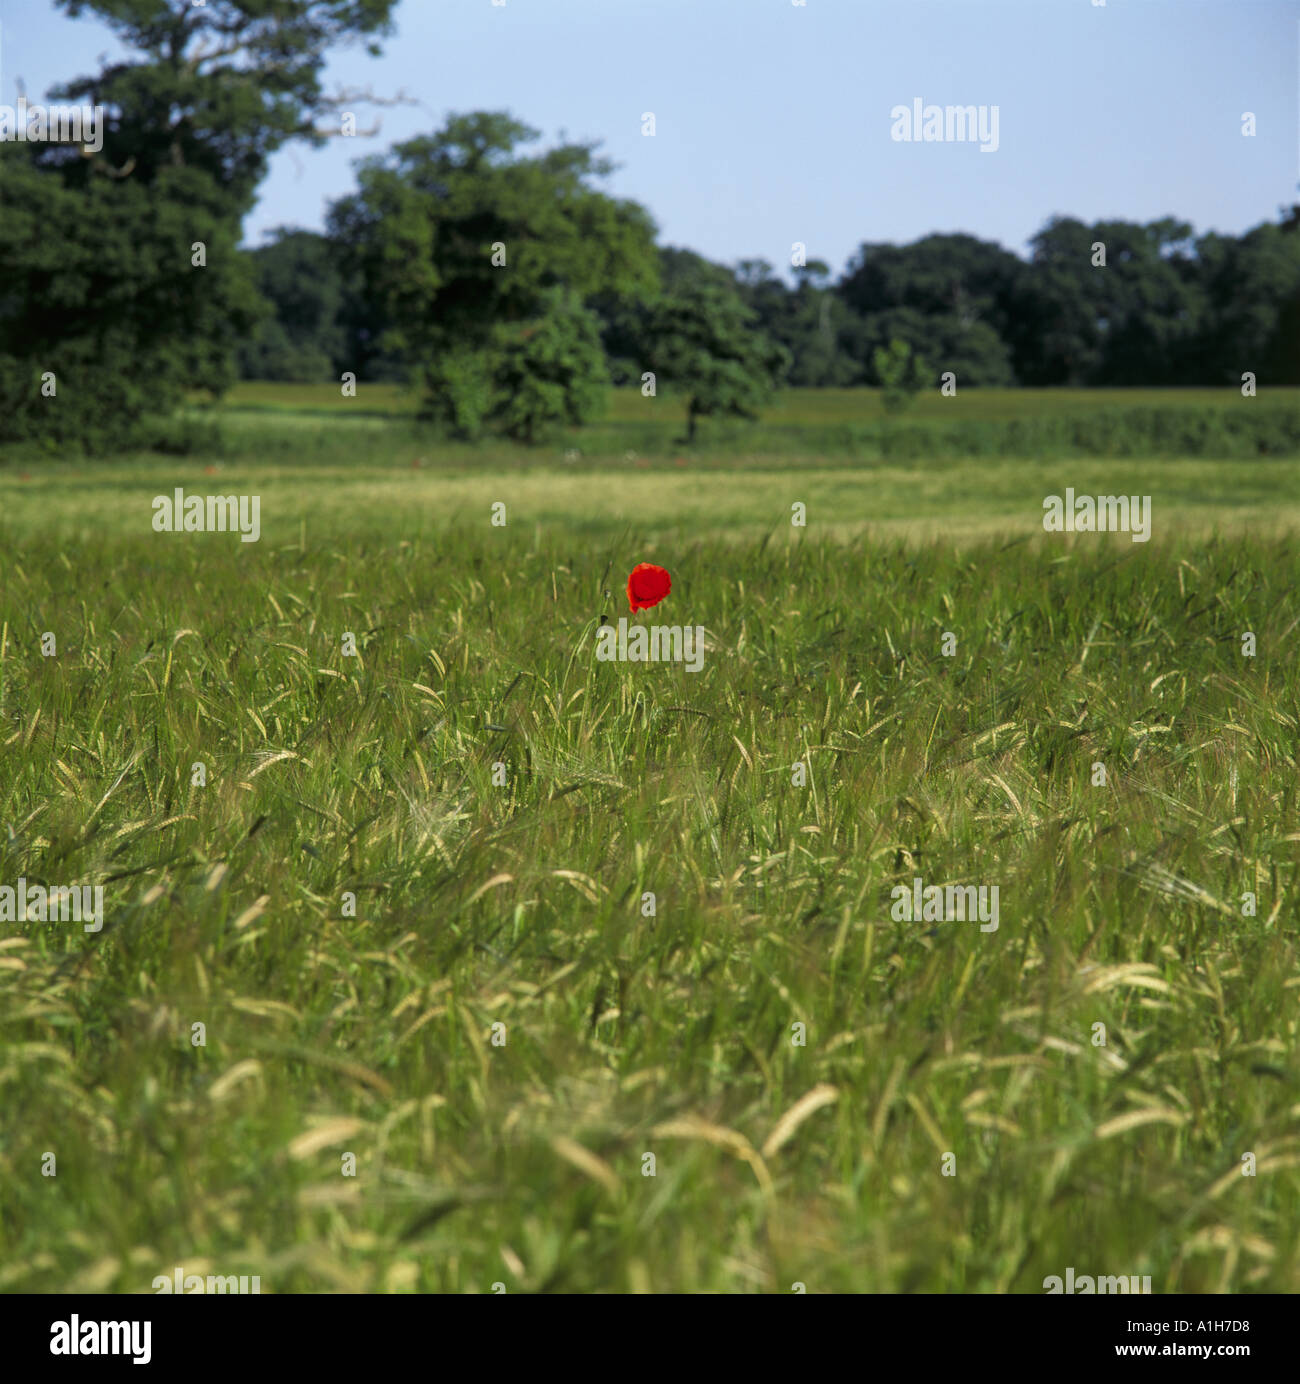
(970, 282)
(302, 339)
(972, 351)
(120, 276)
(820, 331)
(549, 371)
(901, 373)
(807, 320)
(222, 85)
(108, 322)
(704, 343)
(1253, 289)
(458, 233)
(1149, 299)
(1057, 306)
(626, 321)
(1137, 319)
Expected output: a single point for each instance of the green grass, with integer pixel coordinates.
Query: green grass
(843, 428)
(813, 407)
(520, 904)
(381, 492)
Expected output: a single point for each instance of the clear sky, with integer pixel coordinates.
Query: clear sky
(773, 119)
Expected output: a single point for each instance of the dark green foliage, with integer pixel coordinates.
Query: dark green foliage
(1164, 309)
(302, 340)
(548, 372)
(1135, 319)
(530, 378)
(445, 263)
(99, 289)
(626, 322)
(813, 324)
(98, 283)
(705, 344)
(951, 297)
(901, 372)
(1253, 311)
(972, 351)
(459, 233)
(220, 87)
(458, 391)
(320, 323)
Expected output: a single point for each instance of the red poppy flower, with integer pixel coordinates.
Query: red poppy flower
(647, 586)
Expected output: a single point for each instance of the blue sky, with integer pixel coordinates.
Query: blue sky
(773, 120)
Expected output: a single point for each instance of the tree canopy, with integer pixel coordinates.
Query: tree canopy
(708, 346)
(456, 233)
(142, 292)
(500, 275)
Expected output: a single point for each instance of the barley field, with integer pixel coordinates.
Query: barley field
(514, 967)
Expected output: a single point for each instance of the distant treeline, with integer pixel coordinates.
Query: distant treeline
(501, 279)
(1107, 304)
